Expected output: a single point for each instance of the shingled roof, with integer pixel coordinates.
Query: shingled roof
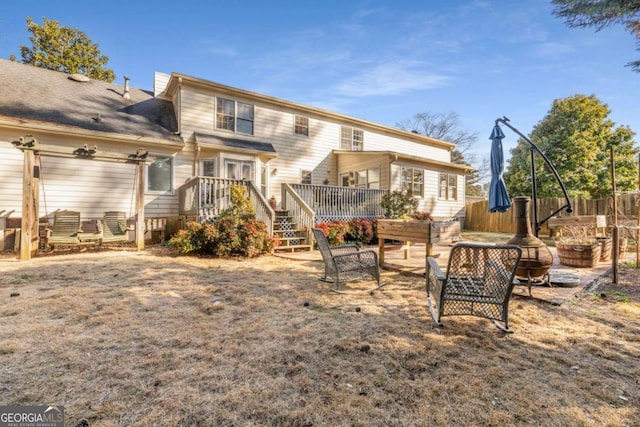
(36, 94)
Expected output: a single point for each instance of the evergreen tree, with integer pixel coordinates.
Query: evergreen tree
(601, 14)
(64, 49)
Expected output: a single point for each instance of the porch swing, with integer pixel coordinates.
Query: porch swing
(67, 225)
(67, 228)
(114, 226)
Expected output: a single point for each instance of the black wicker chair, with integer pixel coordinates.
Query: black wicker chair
(347, 262)
(478, 282)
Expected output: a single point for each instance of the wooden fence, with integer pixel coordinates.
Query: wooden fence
(478, 217)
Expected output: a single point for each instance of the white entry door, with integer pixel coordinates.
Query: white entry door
(239, 169)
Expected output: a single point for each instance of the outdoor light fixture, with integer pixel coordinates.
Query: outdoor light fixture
(534, 196)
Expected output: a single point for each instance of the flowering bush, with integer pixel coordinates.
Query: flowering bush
(359, 231)
(422, 216)
(236, 231)
(335, 231)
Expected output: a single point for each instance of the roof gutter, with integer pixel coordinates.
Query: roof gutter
(30, 127)
(395, 156)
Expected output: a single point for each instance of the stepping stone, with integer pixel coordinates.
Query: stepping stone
(564, 279)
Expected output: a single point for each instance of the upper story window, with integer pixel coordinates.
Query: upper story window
(301, 126)
(245, 118)
(448, 186)
(234, 116)
(160, 175)
(413, 181)
(351, 139)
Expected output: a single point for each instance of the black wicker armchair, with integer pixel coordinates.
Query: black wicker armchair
(346, 263)
(478, 282)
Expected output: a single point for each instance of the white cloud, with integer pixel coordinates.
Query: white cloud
(391, 78)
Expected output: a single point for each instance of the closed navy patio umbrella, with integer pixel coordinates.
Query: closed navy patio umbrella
(498, 197)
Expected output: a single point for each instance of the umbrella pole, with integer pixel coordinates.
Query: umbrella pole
(534, 194)
(505, 120)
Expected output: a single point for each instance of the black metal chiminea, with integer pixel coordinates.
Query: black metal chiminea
(536, 257)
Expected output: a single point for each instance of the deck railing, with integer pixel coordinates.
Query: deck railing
(331, 203)
(298, 209)
(206, 197)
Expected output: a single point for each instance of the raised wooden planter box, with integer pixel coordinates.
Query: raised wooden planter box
(415, 231)
(576, 255)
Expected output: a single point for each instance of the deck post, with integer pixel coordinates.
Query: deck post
(140, 206)
(30, 209)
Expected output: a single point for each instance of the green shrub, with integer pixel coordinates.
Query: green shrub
(236, 231)
(398, 203)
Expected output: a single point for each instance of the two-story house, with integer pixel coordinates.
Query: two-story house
(201, 137)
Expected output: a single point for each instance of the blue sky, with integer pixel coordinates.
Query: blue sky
(382, 61)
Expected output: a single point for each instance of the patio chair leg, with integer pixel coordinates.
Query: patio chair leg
(504, 328)
(434, 316)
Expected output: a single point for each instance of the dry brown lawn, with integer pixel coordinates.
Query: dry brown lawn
(151, 339)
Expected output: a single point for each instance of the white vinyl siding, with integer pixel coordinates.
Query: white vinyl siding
(80, 185)
(90, 187)
(11, 183)
(276, 125)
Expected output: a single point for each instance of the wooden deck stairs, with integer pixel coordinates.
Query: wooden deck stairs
(292, 238)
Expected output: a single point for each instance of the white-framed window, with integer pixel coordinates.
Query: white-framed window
(245, 118)
(305, 176)
(365, 178)
(234, 116)
(225, 114)
(351, 139)
(413, 181)
(373, 178)
(160, 175)
(208, 167)
(448, 186)
(301, 125)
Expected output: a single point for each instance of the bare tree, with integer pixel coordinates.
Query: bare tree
(448, 127)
